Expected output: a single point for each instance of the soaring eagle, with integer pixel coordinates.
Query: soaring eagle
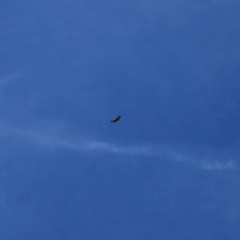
(116, 120)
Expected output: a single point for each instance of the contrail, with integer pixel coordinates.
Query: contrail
(9, 78)
(206, 161)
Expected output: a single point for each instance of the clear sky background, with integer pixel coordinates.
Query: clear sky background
(169, 170)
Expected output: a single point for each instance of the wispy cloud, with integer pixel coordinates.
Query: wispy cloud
(207, 161)
(218, 165)
(4, 80)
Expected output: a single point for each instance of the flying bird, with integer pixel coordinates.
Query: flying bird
(116, 120)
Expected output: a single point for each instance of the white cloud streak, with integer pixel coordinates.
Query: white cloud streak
(206, 161)
(4, 80)
(218, 166)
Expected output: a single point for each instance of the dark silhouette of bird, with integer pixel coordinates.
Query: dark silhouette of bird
(116, 120)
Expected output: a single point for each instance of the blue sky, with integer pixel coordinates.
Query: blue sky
(169, 169)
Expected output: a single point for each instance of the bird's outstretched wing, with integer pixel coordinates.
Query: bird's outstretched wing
(116, 120)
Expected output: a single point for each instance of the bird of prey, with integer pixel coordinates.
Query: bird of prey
(116, 120)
